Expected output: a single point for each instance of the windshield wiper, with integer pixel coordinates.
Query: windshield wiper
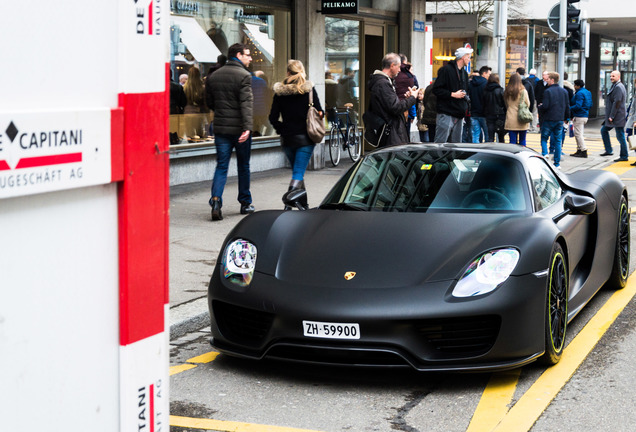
(343, 206)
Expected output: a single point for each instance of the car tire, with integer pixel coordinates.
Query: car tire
(556, 317)
(620, 267)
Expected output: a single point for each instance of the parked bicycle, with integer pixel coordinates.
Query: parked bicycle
(344, 135)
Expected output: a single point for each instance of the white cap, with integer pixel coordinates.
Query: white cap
(461, 52)
(533, 71)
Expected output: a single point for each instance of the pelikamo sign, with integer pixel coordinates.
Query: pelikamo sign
(339, 7)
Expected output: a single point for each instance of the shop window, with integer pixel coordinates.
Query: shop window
(201, 33)
(342, 64)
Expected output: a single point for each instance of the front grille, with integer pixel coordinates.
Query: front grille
(241, 325)
(460, 337)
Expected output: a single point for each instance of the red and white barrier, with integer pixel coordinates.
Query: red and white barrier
(84, 215)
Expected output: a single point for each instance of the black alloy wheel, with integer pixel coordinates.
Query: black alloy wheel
(620, 267)
(557, 307)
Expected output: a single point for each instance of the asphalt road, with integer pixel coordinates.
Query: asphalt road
(591, 389)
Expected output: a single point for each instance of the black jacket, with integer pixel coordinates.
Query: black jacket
(450, 79)
(228, 92)
(530, 89)
(476, 88)
(494, 106)
(430, 106)
(292, 106)
(385, 103)
(539, 89)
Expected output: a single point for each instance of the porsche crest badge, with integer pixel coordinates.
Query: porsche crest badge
(349, 275)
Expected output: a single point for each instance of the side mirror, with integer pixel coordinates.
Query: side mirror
(580, 204)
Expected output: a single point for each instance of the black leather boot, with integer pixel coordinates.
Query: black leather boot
(296, 196)
(216, 210)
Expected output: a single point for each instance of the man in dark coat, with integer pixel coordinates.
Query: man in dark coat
(476, 89)
(539, 89)
(528, 84)
(615, 117)
(554, 111)
(228, 92)
(385, 102)
(451, 87)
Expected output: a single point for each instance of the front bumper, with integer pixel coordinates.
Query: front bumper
(422, 326)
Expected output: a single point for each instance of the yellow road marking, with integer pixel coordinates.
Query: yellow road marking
(534, 402)
(228, 426)
(181, 368)
(204, 358)
(494, 402)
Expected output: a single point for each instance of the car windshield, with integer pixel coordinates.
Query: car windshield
(432, 180)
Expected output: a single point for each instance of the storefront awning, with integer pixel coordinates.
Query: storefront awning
(196, 39)
(261, 40)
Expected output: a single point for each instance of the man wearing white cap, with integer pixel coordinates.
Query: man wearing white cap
(452, 101)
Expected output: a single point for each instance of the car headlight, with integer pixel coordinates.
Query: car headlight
(239, 260)
(487, 272)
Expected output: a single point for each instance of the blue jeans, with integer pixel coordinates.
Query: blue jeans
(479, 125)
(518, 137)
(620, 135)
(448, 129)
(224, 145)
(299, 159)
(554, 131)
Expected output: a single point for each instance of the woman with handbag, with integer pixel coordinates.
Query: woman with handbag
(495, 109)
(291, 103)
(517, 103)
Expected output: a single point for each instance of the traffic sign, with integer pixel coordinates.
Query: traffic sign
(553, 18)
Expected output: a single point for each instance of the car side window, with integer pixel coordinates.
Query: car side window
(545, 185)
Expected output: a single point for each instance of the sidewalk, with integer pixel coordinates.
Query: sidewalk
(195, 240)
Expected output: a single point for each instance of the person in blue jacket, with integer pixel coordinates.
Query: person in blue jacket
(580, 111)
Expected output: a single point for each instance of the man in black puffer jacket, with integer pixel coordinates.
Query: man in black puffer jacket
(228, 92)
(450, 87)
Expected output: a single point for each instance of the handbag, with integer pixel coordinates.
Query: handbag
(571, 130)
(524, 115)
(631, 142)
(315, 125)
(376, 130)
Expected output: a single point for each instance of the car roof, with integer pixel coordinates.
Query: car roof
(512, 150)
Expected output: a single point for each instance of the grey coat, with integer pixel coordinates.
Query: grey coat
(615, 108)
(228, 92)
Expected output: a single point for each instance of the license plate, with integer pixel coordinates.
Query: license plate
(331, 330)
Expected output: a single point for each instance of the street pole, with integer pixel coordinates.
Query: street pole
(563, 33)
(501, 33)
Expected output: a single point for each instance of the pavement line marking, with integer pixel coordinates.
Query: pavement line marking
(493, 405)
(228, 426)
(181, 368)
(204, 358)
(536, 400)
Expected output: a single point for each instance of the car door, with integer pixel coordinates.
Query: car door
(549, 201)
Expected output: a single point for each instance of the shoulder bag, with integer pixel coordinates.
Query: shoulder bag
(524, 115)
(315, 125)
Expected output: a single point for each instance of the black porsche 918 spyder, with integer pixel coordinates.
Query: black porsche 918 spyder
(434, 256)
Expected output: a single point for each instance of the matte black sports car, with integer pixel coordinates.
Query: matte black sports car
(437, 256)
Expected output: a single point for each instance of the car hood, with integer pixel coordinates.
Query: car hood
(318, 247)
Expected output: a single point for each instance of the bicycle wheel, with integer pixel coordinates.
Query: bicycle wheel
(334, 145)
(353, 142)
